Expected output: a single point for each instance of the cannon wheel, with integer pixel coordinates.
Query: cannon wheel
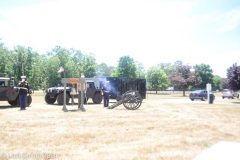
(132, 100)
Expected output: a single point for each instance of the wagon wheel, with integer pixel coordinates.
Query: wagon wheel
(132, 100)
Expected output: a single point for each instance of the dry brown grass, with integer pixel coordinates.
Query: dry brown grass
(169, 127)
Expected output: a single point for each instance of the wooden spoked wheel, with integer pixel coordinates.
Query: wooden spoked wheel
(132, 100)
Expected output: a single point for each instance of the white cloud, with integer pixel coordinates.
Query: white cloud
(230, 20)
(222, 21)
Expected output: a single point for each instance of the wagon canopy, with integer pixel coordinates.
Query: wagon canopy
(120, 85)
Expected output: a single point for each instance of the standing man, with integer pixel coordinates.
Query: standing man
(105, 93)
(23, 93)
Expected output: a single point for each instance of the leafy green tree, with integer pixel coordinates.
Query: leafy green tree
(178, 63)
(158, 79)
(22, 61)
(216, 81)
(104, 70)
(36, 72)
(183, 77)
(52, 77)
(140, 73)
(205, 72)
(126, 67)
(88, 66)
(5, 64)
(166, 67)
(112, 69)
(71, 69)
(76, 56)
(63, 55)
(75, 61)
(19, 60)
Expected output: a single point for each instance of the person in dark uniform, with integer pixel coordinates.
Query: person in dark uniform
(23, 93)
(105, 93)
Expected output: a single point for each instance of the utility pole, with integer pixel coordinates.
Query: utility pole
(22, 68)
(21, 64)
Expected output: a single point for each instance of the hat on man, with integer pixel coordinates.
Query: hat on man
(23, 78)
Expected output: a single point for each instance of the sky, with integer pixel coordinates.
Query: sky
(149, 31)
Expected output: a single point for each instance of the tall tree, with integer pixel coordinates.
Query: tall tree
(167, 67)
(71, 69)
(216, 82)
(5, 63)
(224, 83)
(111, 69)
(178, 63)
(233, 77)
(140, 69)
(205, 72)
(104, 70)
(183, 77)
(77, 56)
(88, 66)
(126, 67)
(77, 59)
(63, 55)
(158, 79)
(36, 72)
(20, 61)
(52, 77)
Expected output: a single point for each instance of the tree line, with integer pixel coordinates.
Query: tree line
(41, 69)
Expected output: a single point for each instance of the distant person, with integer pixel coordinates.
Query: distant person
(23, 93)
(105, 93)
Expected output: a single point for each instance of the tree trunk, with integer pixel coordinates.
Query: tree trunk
(184, 92)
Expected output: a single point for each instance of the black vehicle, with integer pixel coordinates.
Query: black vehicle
(198, 94)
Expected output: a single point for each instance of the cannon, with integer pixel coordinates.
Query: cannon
(131, 100)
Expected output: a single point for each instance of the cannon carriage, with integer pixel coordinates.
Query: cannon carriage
(131, 100)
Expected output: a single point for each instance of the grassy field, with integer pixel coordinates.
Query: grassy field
(166, 126)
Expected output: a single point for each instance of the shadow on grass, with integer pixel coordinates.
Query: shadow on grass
(73, 110)
(236, 102)
(167, 94)
(181, 96)
(8, 107)
(160, 93)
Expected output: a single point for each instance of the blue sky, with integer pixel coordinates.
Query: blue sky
(149, 31)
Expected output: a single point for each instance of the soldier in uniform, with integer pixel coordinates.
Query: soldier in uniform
(105, 93)
(23, 93)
